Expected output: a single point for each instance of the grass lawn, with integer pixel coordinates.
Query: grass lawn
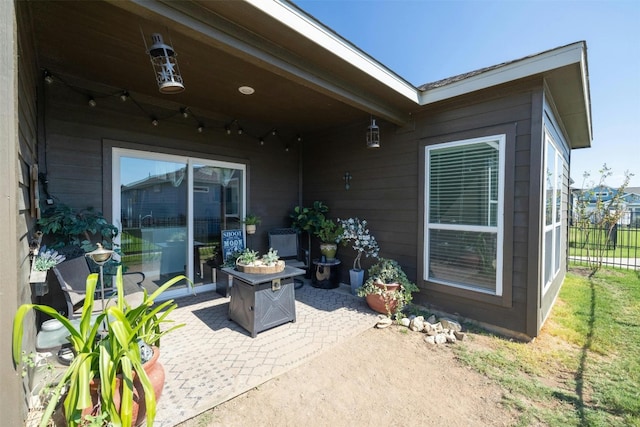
(584, 368)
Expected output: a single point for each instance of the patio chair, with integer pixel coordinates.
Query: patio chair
(72, 276)
(285, 241)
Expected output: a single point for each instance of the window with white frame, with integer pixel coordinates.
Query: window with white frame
(553, 167)
(464, 213)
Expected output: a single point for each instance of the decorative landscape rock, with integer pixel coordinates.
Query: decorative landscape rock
(445, 330)
(450, 324)
(417, 324)
(384, 322)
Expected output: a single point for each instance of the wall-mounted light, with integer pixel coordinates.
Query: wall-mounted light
(165, 65)
(48, 78)
(373, 135)
(347, 180)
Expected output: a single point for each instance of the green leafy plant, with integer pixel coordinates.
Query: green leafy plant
(252, 219)
(329, 231)
(106, 347)
(309, 219)
(270, 257)
(231, 259)
(248, 257)
(382, 273)
(65, 225)
(46, 259)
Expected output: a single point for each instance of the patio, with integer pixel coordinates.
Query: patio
(212, 359)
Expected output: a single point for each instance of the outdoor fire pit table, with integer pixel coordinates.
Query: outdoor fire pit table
(262, 301)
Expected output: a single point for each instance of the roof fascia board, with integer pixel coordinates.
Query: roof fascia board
(316, 32)
(585, 90)
(567, 55)
(265, 55)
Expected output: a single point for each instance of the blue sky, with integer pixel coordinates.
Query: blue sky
(424, 41)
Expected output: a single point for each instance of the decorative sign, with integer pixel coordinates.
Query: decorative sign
(232, 241)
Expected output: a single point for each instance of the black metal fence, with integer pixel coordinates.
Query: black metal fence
(618, 246)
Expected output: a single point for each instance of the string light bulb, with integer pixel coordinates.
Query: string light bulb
(124, 96)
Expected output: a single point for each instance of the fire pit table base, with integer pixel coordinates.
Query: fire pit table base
(262, 301)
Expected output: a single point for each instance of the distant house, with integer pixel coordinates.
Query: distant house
(629, 202)
(469, 190)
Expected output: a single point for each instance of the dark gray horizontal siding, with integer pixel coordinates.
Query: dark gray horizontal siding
(77, 162)
(385, 190)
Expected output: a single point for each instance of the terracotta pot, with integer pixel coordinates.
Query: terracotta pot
(155, 372)
(380, 303)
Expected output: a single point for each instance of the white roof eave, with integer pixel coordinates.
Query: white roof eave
(313, 30)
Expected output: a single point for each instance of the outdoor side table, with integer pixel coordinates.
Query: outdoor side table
(262, 301)
(326, 274)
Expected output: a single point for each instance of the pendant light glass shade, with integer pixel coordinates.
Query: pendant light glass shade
(373, 135)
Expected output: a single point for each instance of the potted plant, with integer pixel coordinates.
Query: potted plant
(330, 233)
(77, 231)
(356, 233)
(308, 220)
(250, 261)
(387, 290)
(44, 260)
(250, 222)
(114, 366)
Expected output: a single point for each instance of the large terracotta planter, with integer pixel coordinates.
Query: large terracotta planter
(155, 372)
(385, 303)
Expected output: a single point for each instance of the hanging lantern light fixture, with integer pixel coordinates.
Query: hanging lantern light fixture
(373, 135)
(165, 65)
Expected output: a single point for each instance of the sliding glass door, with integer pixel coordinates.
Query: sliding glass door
(171, 210)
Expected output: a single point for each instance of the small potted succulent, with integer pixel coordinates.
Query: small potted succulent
(387, 290)
(251, 262)
(250, 222)
(44, 260)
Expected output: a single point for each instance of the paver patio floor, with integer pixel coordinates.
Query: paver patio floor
(212, 359)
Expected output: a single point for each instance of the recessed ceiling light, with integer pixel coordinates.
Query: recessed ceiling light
(246, 90)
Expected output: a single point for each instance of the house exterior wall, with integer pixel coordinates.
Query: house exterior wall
(387, 189)
(80, 140)
(18, 152)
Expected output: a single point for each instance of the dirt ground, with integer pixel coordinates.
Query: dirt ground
(382, 377)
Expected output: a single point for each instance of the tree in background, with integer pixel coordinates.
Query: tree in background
(597, 217)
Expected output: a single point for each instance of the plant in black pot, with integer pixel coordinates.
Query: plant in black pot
(387, 290)
(114, 375)
(308, 220)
